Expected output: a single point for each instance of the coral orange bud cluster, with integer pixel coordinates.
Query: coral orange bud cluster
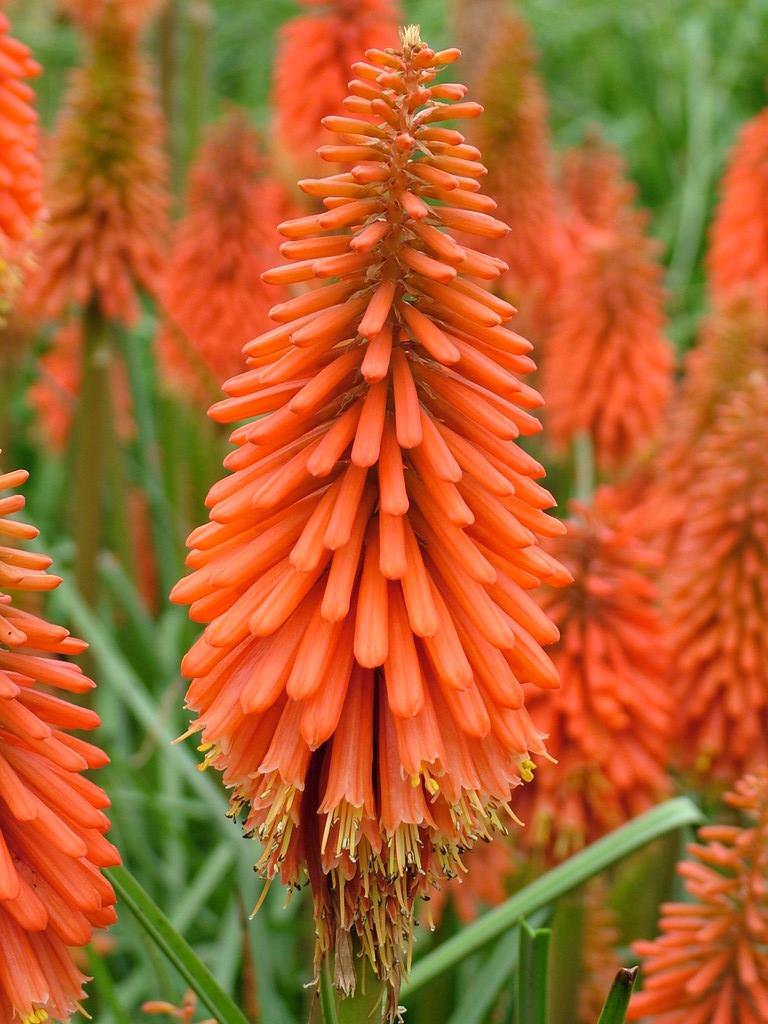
(738, 255)
(107, 184)
(609, 726)
(52, 821)
(514, 136)
(366, 572)
(213, 290)
(717, 594)
(710, 964)
(607, 366)
(315, 53)
(20, 178)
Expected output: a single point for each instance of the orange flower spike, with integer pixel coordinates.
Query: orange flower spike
(609, 727)
(710, 963)
(515, 137)
(738, 253)
(715, 594)
(108, 204)
(607, 369)
(212, 290)
(312, 68)
(21, 199)
(52, 821)
(355, 554)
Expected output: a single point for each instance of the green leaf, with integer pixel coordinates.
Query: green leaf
(532, 975)
(667, 817)
(615, 1009)
(178, 951)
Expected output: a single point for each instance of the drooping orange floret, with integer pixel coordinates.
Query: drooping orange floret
(365, 572)
(609, 726)
(716, 594)
(212, 289)
(738, 255)
(607, 365)
(52, 821)
(514, 136)
(21, 198)
(710, 963)
(106, 189)
(314, 55)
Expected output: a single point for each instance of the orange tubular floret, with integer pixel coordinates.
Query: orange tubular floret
(392, 572)
(52, 824)
(610, 726)
(709, 962)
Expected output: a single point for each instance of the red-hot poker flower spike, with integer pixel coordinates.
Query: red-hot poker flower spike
(312, 68)
(20, 178)
(609, 726)
(716, 595)
(514, 136)
(364, 575)
(52, 821)
(213, 290)
(738, 254)
(107, 196)
(607, 369)
(710, 963)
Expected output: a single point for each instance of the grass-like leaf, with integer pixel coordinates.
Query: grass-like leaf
(615, 1009)
(532, 975)
(667, 817)
(175, 947)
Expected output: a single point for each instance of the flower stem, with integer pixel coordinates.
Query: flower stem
(366, 1006)
(583, 467)
(91, 453)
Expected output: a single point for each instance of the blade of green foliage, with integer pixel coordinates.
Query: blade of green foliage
(667, 817)
(179, 952)
(615, 1009)
(532, 975)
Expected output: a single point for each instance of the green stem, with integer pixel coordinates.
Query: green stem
(200, 21)
(91, 452)
(583, 467)
(366, 1006)
(566, 969)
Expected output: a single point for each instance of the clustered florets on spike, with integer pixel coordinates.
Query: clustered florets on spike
(607, 368)
(738, 255)
(716, 594)
(514, 136)
(610, 724)
(52, 825)
(212, 290)
(20, 179)
(366, 572)
(315, 53)
(710, 963)
(108, 204)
